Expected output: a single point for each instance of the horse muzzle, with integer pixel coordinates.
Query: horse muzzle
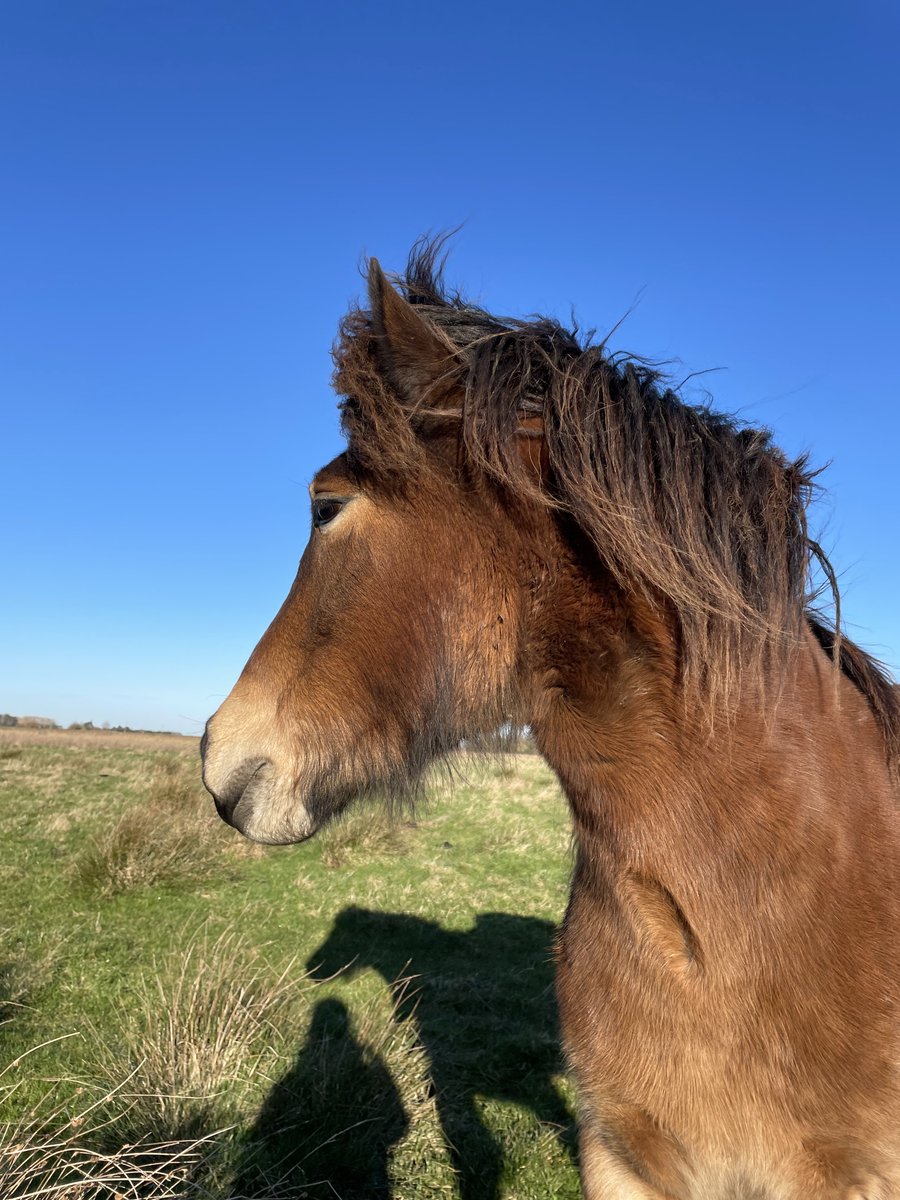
(253, 796)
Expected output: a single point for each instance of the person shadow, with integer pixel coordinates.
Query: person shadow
(483, 1007)
(328, 1125)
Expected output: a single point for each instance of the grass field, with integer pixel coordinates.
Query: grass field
(186, 1014)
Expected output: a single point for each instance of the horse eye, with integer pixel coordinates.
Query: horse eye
(324, 511)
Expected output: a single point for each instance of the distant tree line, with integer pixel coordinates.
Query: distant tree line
(7, 721)
(27, 722)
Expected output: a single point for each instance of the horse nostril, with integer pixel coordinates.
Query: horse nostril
(236, 788)
(226, 807)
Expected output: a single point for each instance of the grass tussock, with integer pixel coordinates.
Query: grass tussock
(58, 1150)
(369, 831)
(167, 837)
(196, 1036)
(51, 1156)
(136, 852)
(218, 1101)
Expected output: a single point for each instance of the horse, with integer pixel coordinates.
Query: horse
(526, 528)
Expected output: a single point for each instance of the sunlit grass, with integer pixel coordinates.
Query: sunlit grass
(163, 838)
(207, 1019)
(369, 1014)
(57, 1149)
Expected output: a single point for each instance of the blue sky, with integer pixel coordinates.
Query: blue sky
(188, 188)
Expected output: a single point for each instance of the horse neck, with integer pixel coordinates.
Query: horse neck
(654, 786)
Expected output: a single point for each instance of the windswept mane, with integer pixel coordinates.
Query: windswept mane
(699, 512)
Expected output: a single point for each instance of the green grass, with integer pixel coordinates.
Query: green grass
(188, 1015)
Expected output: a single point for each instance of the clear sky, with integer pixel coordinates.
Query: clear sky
(187, 190)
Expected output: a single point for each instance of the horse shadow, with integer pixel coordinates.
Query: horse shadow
(482, 1006)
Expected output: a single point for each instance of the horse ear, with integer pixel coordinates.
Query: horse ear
(412, 355)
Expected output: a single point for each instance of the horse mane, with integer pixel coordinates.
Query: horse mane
(696, 510)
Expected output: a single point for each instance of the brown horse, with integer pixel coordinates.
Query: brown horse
(527, 529)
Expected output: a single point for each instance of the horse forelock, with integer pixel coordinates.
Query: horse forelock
(695, 510)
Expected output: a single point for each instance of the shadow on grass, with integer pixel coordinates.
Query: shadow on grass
(329, 1123)
(482, 1007)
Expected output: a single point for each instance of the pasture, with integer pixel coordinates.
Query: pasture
(187, 1014)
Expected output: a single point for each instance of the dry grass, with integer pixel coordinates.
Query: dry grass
(48, 1157)
(198, 1039)
(57, 1153)
(138, 852)
(211, 1031)
(96, 739)
(196, 1033)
